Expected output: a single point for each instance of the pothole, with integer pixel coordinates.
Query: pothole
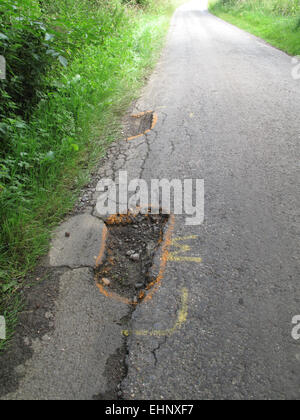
(131, 244)
(141, 124)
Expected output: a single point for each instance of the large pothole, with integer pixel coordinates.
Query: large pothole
(131, 243)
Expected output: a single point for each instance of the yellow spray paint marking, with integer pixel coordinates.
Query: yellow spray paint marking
(182, 317)
(183, 249)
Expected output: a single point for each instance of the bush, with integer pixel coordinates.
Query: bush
(36, 41)
(26, 46)
(23, 46)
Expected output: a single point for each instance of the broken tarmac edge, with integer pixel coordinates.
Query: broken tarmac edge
(66, 320)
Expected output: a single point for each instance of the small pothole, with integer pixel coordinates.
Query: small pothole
(141, 124)
(131, 244)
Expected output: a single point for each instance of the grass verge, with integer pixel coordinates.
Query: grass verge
(53, 154)
(277, 22)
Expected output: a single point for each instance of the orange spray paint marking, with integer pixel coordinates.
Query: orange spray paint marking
(153, 286)
(114, 296)
(142, 114)
(103, 245)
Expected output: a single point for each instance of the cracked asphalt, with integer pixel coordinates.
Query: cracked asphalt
(228, 113)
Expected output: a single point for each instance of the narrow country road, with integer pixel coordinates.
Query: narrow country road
(228, 113)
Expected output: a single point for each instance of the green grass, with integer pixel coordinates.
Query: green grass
(54, 153)
(275, 21)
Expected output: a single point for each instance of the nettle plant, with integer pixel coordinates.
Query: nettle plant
(36, 42)
(29, 53)
(39, 108)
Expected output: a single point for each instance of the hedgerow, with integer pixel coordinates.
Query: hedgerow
(73, 66)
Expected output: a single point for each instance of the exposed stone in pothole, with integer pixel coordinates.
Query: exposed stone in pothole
(131, 244)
